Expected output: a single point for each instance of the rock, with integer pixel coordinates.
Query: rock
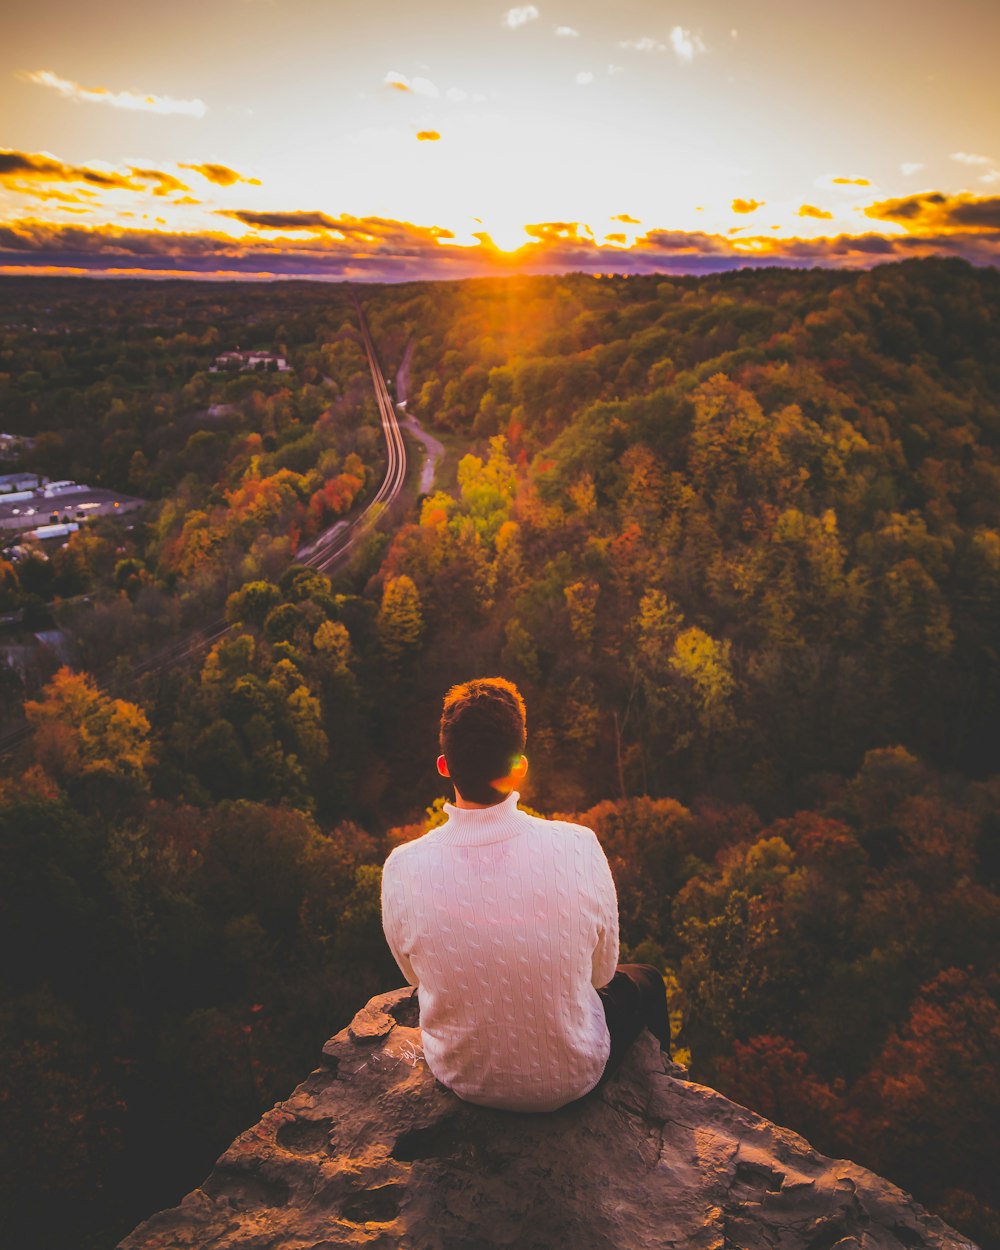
(372, 1151)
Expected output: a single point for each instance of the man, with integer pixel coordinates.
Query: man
(508, 925)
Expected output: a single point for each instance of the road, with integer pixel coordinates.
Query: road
(331, 548)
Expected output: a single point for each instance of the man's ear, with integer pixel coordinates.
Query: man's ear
(443, 766)
(520, 768)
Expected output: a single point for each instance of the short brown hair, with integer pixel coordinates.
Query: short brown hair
(483, 731)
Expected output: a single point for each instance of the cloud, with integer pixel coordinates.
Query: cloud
(376, 249)
(47, 194)
(22, 171)
(428, 136)
(221, 175)
(418, 86)
(28, 167)
(567, 32)
(163, 184)
(549, 231)
(315, 244)
(851, 182)
(810, 210)
(162, 104)
(584, 78)
(911, 167)
(643, 44)
(933, 210)
(281, 221)
(632, 221)
(992, 175)
(747, 206)
(519, 15)
(368, 230)
(685, 44)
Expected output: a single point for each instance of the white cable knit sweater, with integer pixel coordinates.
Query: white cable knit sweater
(506, 923)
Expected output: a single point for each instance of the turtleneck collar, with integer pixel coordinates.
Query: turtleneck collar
(476, 826)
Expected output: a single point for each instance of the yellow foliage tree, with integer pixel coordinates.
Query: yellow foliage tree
(81, 731)
(703, 664)
(400, 620)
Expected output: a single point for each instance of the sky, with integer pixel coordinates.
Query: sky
(397, 140)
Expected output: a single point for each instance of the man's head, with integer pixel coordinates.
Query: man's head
(482, 738)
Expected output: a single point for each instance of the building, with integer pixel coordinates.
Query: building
(255, 362)
(13, 483)
(53, 531)
(61, 503)
(12, 445)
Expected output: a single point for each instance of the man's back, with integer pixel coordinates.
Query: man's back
(507, 923)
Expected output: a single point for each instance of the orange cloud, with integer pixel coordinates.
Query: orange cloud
(747, 206)
(851, 182)
(370, 230)
(624, 217)
(547, 231)
(810, 210)
(428, 136)
(23, 171)
(27, 167)
(47, 194)
(281, 221)
(221, 175)
(933, 210)
(316, 245)
(163, 184)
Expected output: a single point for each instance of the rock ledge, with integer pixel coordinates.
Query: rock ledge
(371, 1151)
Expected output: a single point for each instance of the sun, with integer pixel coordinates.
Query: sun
(506, 236)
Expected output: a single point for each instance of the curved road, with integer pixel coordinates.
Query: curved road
(331, 548)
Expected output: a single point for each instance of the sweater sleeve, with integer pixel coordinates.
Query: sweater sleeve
(392, 925)
(605, 957)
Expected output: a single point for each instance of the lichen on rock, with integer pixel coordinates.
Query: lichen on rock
(370, 1150)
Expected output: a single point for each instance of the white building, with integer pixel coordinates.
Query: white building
(243, 362)
(16, 482)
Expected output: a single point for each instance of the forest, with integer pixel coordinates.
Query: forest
(736, 538)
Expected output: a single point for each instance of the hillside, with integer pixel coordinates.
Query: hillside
(737, 540)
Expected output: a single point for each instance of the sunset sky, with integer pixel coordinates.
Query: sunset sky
(396, 139)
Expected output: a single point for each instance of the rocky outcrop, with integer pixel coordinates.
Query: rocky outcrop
(371, 1151)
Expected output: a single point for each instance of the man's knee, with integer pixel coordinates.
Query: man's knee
(651, 970)
(647, 976)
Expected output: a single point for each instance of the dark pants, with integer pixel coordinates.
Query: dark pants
(634, 998)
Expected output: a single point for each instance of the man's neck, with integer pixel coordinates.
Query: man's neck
(467, 805)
